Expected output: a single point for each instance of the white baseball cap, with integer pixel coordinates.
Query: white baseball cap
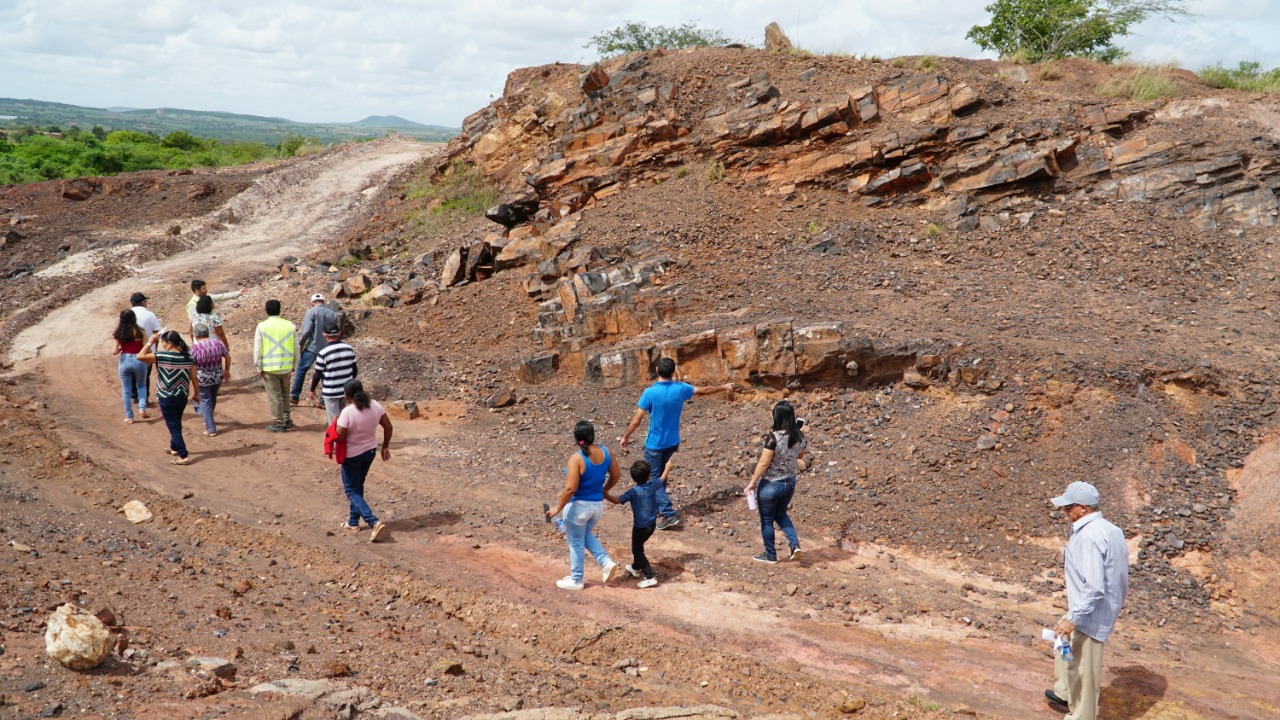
(317, 296)
(1078, 493)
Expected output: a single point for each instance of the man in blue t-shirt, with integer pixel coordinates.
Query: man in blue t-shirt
(663, 402)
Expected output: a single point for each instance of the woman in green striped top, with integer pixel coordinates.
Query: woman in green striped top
(177, 372)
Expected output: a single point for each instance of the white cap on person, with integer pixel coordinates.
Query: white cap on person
(1078, 493)
(318, 297)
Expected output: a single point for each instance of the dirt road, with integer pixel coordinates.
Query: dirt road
(456, 526)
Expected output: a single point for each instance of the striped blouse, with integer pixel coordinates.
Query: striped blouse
(174, 370)
(1096, 565)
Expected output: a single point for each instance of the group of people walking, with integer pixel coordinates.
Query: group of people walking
(194, 374)
(592, 472)
(1095, 559)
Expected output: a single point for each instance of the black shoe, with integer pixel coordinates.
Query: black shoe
(288, 425)
(1052, 697)
(274, 428)
(765, 559)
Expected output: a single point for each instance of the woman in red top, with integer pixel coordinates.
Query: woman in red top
(133, 372)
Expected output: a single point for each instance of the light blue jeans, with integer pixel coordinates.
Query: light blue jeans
(133, 383)
(580, 518)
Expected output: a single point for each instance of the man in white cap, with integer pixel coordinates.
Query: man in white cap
(1096, 566)
(311, 340)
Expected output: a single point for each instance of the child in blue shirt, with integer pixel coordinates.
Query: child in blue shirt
(644, 513)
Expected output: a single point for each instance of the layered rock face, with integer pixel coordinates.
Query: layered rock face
(969, 152)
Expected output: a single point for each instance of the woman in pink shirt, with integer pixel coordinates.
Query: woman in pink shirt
(358, 428)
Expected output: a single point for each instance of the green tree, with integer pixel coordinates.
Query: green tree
(182, 140)
(635, 36)
(1051, 29)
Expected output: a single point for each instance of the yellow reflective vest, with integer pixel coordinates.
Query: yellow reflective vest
(278, 339)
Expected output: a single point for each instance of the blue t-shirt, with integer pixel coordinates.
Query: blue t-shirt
(644, 504)
(664, 400)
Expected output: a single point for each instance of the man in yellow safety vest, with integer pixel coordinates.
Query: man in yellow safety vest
(275, 354)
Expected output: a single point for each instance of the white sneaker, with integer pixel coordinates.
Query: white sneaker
(568, 583)
(611, 571)
(647, 582)
(632, 572)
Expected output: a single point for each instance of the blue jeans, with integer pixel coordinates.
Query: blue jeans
(133, 383)
(299, 373)
(773, 499)
(657, 460)
(172, 408)
(354, 471)
(208, 401)
(580, 518)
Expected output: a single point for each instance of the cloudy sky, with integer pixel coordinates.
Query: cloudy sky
(436, 62)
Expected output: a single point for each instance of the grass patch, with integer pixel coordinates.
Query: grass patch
(1141, 83)
(928, 63)
(923, 704)
(932, 230)
(815, 228)
(682, 171)
(1049, 71)
(1021, 56)
(1248, 75)
(462, 192)
(716, 171)
(899, 62)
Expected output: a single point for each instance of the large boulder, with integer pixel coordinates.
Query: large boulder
(77, 640)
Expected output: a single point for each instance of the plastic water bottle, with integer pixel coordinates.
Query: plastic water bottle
(1065, 651)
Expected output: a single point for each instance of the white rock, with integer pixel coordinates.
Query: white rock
(135, 512)
(77, 640)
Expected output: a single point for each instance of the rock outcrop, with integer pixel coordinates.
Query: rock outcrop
(962, 148)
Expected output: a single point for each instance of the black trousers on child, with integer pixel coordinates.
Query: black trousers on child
(639, 535)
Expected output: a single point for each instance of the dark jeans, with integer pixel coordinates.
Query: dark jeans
(639, 535)
(657, 460)
(172, 408)
(300, 373)
(774, 498)
(354, 471)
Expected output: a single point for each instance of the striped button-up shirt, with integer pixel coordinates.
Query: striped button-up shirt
(1096, 564)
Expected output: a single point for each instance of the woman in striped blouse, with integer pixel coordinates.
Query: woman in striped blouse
(177, 372)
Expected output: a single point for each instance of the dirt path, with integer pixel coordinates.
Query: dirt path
(261, 479)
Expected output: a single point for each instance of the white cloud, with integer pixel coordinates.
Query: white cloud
(436, 62)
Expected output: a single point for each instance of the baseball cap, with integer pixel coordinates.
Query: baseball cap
(137, 298)
(330, 328)
(317, 296)
(1078, 493)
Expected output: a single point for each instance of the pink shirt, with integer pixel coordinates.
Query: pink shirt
(362, 427)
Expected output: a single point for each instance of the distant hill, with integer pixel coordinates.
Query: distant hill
(221, 125)
(388, 121)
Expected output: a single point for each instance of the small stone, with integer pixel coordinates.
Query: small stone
(448, 667)
(135, 512)
(54, 710)
(500, 399)
(792, 588)
(852, 705)
(33, 687)
(337, 668)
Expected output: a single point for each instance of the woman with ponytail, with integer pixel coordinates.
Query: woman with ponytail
(776, 476)
(358, 427)
(589, 474)
(177, 373)
(133, 374)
